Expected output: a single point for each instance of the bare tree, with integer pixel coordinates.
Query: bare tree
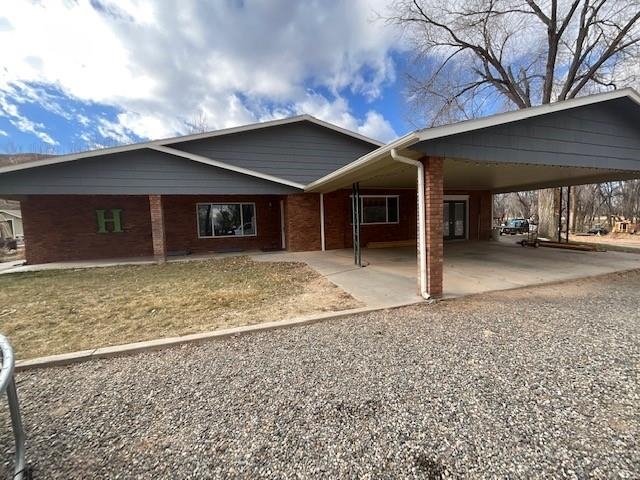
(476, 57)
(199, 123)
(516, 205)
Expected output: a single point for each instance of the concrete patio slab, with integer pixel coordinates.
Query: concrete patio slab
(489, 266)
(378, 284)
(389, 276)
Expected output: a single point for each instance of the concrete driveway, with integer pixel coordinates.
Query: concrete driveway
(389, 277)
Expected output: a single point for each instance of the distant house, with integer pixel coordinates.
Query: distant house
(11, 224)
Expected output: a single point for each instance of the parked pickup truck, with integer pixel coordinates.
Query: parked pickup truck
(513, 226)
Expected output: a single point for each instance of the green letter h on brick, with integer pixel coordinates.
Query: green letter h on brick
(114, 221)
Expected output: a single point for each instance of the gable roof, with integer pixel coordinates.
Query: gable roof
(433, 133)
(164, 145)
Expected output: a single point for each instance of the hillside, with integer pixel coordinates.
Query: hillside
(14, 159)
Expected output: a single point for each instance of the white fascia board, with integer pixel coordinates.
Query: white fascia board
(523, 114)
(216, 163)
(344, 131)
(466, 126)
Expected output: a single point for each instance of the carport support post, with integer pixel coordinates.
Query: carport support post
(568, 213)
(434, 202)
(355, 221)
(158, 236)
(560, 191)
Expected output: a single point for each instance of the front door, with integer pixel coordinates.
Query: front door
(455, 220)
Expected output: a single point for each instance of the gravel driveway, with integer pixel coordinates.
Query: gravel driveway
(538, 382)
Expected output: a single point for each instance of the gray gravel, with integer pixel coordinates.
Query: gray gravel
(541, 382)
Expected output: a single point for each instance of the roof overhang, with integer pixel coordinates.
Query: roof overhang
(379, 170)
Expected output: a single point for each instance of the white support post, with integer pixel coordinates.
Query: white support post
(283, 234)
(422, 242)
(322, 240)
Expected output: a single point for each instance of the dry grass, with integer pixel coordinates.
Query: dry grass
(49, 312)
(622, 242)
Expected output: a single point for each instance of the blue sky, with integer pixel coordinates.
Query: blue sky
(84, 74)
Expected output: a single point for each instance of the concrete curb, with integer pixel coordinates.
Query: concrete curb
(168, 342)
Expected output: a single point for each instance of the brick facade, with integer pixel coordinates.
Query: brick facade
(338, 228)
(158, 237)
(434, 197)
(181, 224)
(479, 212)
(302, 225)
(64, 228)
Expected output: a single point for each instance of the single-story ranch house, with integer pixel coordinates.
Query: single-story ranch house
(302, 184)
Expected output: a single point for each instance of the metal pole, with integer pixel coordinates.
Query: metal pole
(358, 221)
(356, 213)
(353, 223)
(560, 217)
(568, 211)
(322, 239)
(7, 383)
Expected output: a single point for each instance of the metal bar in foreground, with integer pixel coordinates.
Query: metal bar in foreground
(8, 384)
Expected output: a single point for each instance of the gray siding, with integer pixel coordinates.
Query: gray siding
(597, 136)
(301, 152)
(135, 173)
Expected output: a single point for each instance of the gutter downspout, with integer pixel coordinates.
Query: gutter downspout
(422, 230)
(322, 240)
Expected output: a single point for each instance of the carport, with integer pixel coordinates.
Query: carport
(587, 140)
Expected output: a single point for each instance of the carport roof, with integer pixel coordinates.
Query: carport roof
(584, 140)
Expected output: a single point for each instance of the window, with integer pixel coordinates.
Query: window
(226, 220)
(376, 209)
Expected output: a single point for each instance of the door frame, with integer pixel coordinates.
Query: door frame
(460, 198)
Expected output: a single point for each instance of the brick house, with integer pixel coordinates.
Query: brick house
(302, 184)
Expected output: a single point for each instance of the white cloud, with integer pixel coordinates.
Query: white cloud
(3, 133)
(375, 126)
(337, 112)
(237, 61)
(21, 122)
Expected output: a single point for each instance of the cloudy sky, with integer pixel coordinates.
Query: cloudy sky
(78, 73)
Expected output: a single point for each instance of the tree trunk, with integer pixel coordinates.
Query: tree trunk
(548, 213)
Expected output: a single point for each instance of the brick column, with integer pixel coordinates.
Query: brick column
(303, 222)
(434, 192)
(157, 228)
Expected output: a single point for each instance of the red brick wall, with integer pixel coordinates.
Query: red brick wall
(64, 227)
(181, 223)
(479, 212)
(338, 233)
(302, 222)
(338, 228)
(434, 193)
(485, 199)
(158, 237)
